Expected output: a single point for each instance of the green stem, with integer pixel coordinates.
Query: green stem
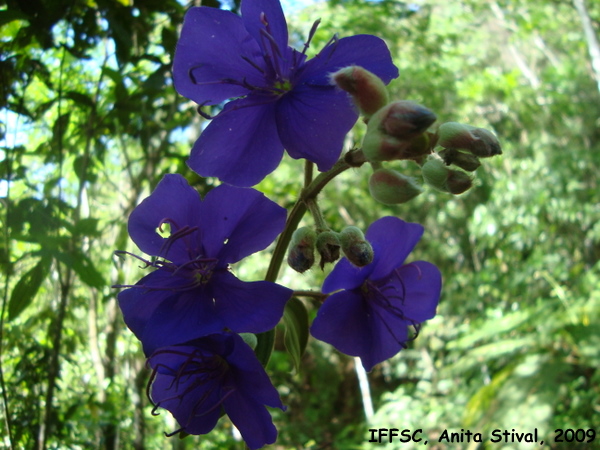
(354, 158)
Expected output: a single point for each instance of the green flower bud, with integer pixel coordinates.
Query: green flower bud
(435, 173)
(367, 90)
(358, 251)
(301, 255)
(465, 161)
(440, 177)
(478, 141)
(328, 246)
(390, 187)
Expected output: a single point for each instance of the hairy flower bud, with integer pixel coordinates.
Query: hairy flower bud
(390, 187)
(458, 182)
(398, 131)
(404, 119)
(435, 173)
(465, 161)
(378, 146)
(328, 246)
(367, 90)
(301, 255)
(478, 141)
(358, 251)
(440, 177)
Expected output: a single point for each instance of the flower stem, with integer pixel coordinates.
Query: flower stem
(354, 158)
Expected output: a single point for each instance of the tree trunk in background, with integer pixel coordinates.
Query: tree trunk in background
(590, 38)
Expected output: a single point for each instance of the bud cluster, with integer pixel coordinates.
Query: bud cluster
(328, 244)
(399, 131)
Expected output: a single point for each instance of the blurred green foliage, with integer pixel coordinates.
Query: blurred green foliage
(90, 122)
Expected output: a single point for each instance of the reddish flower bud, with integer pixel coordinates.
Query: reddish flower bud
(465, 161)
(405, 119)
(355, 247)
(301, 255)
(478, 141)
(390, 187)
(458, 182)
(367, 90)
(398, 131)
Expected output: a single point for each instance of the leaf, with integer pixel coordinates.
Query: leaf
(84, 268)
(79, 98)
(295, 319)
(7, 16)
(264, 346)
(60, 127)
(27, 287)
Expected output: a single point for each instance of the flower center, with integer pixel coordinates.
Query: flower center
(196, 271)
(200, 375)
(387, 297)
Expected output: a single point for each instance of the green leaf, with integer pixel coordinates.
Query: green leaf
(27, 287)
(79, 98)
(7, 16)
(264, 346)
(60, 127)
(84, 268)
(295, 319)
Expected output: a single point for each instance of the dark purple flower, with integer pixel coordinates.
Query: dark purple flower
(370, 317)
(282, 100)
(194, 380)
(192, 293)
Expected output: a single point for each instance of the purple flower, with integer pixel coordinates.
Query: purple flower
(194, 380)
(370, 317)
(192, 293)
(282, 100)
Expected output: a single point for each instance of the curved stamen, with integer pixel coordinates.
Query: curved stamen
(311, 34)
(271, 57)
(331, 47)
(173, 433)
(196, 370)
(382, 297)
(180, 233)
(253, 64)
(123, 252)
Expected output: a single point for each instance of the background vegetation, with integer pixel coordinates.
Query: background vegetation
(89, 123)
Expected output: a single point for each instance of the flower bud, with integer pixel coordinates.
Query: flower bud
(328, 246)
(465, 161)
(390, 187)
(301, 255)
(367, 90)
(358, 251)
(458, 182)
(405, 119)
(435, 173)
(478, 141)
(440, 177)
(378, 146)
